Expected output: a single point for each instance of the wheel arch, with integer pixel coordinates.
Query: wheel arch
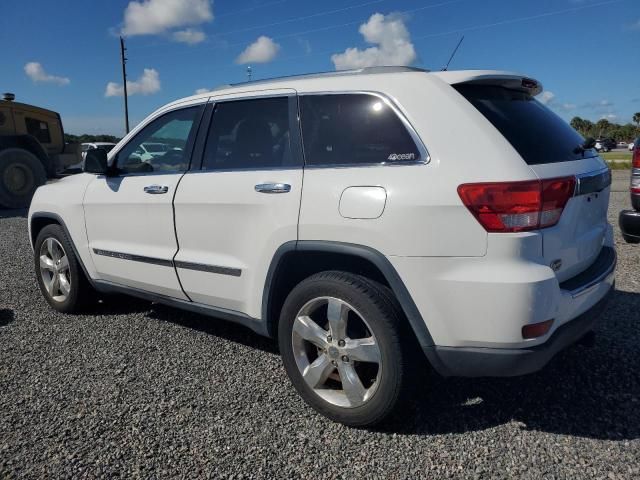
(39, 220)
(294, 261)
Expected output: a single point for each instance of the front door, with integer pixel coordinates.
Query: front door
(129, 216)
(234, 213)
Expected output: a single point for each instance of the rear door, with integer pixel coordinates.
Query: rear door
(553, 149)
(234, 212)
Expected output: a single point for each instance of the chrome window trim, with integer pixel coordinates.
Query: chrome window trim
(425, 157)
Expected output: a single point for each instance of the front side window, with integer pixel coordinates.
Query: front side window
(249, 134)
(347, 129)
(163, 145)
(38, 129)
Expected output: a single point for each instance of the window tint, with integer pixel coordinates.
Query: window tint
(38, 129)
(163, 145)
(537, 134)
(249, 134)
(352, 129)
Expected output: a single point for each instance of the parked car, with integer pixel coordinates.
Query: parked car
(488, 255)
(629, 220)
(605, 145)
(631, 145)
(106, 146)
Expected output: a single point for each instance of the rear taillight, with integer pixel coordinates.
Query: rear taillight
(636, 157)
(535, 330)
(517, 206)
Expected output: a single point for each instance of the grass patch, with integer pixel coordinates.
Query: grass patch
(616, 156)
(626, 165)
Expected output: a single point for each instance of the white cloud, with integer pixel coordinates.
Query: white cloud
(263, 50)
(391, 40)
(152, 17)
(36, 72)
(610, 116)
(147, 84)
(200, 91)
(546, 97)
(189, 35)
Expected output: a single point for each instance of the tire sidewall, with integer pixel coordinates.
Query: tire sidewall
(387, 392)
(29, 160)
(76, 276)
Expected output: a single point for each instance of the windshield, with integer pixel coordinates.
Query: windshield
(537, 134)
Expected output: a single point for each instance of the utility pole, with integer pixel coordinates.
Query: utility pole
(249, 72)
(123, 60)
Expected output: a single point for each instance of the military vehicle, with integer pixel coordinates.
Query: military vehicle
(32, 149)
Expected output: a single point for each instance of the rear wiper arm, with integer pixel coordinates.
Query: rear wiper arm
(588, 144)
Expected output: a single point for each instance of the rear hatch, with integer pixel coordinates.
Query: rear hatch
(552, 149)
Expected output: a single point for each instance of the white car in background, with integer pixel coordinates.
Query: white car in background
(340, 214)
(148, 150)
(630, 146)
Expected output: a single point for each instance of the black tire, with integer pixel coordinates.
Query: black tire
(81, 294)
(630, 239)
(377, 305)
(21, 173)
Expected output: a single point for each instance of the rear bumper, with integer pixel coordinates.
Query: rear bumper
(629, 221)
(505, 362)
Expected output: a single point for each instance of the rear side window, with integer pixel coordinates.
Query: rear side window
(38, 129)
(537, 134)
(348, 129)
(249, 134)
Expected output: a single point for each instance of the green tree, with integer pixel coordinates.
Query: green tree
(636, 118)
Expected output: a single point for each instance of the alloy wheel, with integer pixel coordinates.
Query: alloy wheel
(54, 270)
(336, 352)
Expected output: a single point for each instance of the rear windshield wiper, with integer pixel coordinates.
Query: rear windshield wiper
(588, 144)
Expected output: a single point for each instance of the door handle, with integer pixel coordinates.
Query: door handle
(156, 189)
(273, 188)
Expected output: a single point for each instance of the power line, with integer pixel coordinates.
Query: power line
(518, 19)
(304, 17)
(250, 9)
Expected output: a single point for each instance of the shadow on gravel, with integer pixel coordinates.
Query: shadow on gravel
(11, 213)
(213, 326)
(586, 391)
(6, 317)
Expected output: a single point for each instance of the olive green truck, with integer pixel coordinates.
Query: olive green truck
(32, 149)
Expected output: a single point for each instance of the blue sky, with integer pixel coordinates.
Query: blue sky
(65, 53)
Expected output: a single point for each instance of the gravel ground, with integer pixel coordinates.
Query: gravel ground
(140, 390)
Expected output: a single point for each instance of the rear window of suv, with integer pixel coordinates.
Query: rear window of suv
(537, 134)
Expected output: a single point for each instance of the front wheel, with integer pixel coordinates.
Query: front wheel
(58, 271)
(340, 341)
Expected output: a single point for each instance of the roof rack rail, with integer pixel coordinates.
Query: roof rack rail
(337, 73)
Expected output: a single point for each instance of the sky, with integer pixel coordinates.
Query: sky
(64, 54)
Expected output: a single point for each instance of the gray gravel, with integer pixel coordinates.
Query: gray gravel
(143, 390)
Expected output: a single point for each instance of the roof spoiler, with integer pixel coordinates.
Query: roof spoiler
(508, 80)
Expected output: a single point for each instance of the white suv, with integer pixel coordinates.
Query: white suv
(353, 216)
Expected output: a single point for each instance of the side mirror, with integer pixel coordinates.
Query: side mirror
(95, 161)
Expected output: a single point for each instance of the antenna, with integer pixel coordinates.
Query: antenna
(453, 54)
(123, 60)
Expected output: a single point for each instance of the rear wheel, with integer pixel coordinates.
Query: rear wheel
(339, 337)
(58, 271)
(21, 173)
(630, 239)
